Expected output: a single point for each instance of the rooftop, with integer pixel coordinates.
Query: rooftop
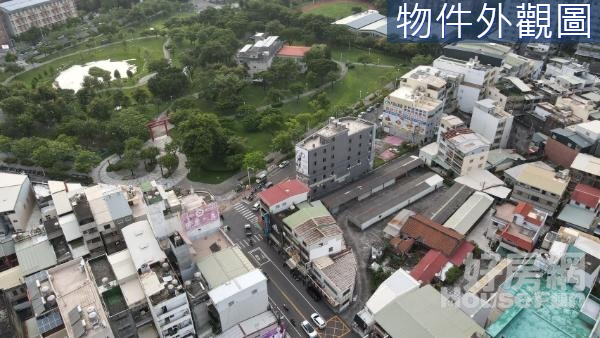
(107, 203)
(11, 278)
(399, 283)
(349, 125)
(539, 176)
(431, 264)
(469, 213)
(359, 20)
(433, 235)
(586, 195)
(35, 253)
(465, 140)
(208, 244)
(586, 163)
(10, 187)
(78, 301)
(293, 51)
(16, 5)
(414, 97)
(577, 216)
(142, 244)
(223, 266)
(419, 313)
(246, 280)
(340, 269)
(282, 191)
(454, 199)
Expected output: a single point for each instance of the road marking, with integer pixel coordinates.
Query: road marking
(286, 318)
(259, 256)
(288, 299)
(292, 284)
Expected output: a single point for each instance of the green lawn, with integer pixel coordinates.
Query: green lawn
(141, 51)
(353, 54)
(359, 82)
(336, 10)
(210, 177)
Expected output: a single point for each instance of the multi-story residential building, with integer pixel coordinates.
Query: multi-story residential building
(514, 96)
(258, 57)
(477, 78)
(572, 75)
(17, 203)
(449, 122)
(10, 324)
(437, 83)
(335, 276)
(237, 290)
(491, 122)
(47, 317)
(538, 184)
(413, 111)
(311, 232)
(20, 16)
(463, 150)
(336, 154)
(34, 251)
(121, 293)
(581, 211)
(161, 286)
(78, 302)
(520, 226)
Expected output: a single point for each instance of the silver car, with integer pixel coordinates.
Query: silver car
(310, 331)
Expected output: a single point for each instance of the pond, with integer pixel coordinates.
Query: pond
(72, 77)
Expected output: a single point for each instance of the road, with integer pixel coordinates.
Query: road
(283, 288)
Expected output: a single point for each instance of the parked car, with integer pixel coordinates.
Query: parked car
(310, 331)
(370, 109)
(284, 164)
(318, 320)
(256, 206)
(248, 230)
(268, 185)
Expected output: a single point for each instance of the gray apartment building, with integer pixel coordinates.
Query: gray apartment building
(336, 154)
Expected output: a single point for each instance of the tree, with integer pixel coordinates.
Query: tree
(10, 57)
(85, 160)
(297, 88)
(97, 72)
(282, 142)
(5, 143)
(168, 83)
(452, 275)
(149, 154)
(129, 73)
(100, 107)
(170, 162)
(419, 59)
(141, 95)
(364, 59)
(14, 105)
(255, 159)
(274, 95)
(117, 74)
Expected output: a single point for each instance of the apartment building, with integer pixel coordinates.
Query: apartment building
(491, 122)
(335, 276)
(586, 169)
(571, 74)
(463, 150)
(581, 211)
(21, 15)
(476, 79)
(336, 154)
(538, 184)
(161, 286)
(258, 57)
(17, 202)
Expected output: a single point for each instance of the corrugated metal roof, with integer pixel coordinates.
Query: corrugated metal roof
(577, 216)
(11, 278)
(223, 266)
(35, 254)
(467, 215)
(419, 313)
(142, 244)
(399, 283)
(16, 5)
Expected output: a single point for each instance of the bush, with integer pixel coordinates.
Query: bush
(453, 275)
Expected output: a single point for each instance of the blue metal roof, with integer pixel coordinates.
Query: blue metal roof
(16, 5)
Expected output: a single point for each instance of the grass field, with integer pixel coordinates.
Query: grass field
(335, 10)
(141, 51)
(353, 54)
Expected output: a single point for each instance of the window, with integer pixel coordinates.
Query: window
(107, 226)
(330, 249)
(324, 167)
(324, 150)
(535, 198)
(324, 159)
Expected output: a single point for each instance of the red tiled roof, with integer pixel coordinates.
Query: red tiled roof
(526, 210)
(516, 240)
(282, 191)
(293, 51)
(432, 234)
(586, 195)
(455, 132)
(428, 266)
(401, 245)
(461, 253)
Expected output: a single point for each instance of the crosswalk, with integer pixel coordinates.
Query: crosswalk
(244, 211)
(244, 243)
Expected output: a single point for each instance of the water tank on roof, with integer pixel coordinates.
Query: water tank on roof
(44, 290)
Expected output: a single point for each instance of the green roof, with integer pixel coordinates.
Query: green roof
(419, 314)
(146, 186)
(307, 211)
(223, 266)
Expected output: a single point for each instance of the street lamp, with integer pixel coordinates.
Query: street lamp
(248, 172)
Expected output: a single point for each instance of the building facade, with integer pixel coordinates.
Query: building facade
(463, 150)
(492, 123)
(20, 16)
(258, 57)
(336, 154)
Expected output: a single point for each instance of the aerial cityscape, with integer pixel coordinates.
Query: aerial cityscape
(298, 168)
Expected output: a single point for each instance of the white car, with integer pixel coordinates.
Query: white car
(318, 320)
(310, 331)
(284, 164)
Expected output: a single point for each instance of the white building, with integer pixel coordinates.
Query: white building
(476, 79)
(491, 122)
(167, 299)
(259, 56)
(17, 202)
(463, 151)
(336, 276)
(572, 75)
(238, 291)
(413, 111)
(447, 123)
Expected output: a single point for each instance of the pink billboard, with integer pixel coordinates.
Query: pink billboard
(206, 216)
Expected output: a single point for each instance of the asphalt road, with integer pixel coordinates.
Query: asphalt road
(283, 289)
